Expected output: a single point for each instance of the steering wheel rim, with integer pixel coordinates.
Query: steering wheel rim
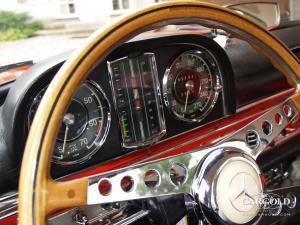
(39, 195)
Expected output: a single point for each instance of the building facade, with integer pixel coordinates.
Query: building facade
(80, 10)
(103, 10)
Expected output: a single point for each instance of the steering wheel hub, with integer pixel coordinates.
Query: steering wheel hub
(233, 185)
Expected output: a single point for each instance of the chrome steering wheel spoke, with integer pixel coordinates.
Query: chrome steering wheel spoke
(208, 175)
(158, 178)
(257, 135)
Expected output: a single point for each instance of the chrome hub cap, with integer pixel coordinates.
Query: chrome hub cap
(233, 185)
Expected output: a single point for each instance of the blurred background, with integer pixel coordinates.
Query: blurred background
(37, 29)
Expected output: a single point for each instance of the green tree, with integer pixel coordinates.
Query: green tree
(14, 26)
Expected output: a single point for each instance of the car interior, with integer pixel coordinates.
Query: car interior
(182, 112)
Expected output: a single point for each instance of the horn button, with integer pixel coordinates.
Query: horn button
(228, 188)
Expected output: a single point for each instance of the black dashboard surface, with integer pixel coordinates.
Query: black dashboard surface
(242, 70)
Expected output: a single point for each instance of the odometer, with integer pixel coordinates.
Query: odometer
(84, 126)
(191, 85)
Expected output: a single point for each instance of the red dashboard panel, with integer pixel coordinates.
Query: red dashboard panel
(12, 74)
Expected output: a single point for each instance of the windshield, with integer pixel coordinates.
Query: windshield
(37, 29)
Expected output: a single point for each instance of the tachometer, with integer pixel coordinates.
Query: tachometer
(191, 85)
(84, 126)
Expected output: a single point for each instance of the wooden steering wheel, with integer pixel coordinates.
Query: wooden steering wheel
(39, 195)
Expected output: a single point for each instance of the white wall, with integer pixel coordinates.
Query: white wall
(144, 3)
(86, 10)
(93, 10)
(42, 8)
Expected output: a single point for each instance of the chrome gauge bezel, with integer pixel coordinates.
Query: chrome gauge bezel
(210, 59)
(102, 137)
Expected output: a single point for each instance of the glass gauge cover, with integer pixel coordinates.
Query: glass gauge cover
(137, 99)
(191, 85)
(84, 126)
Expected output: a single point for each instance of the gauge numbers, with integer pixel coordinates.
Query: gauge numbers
(191, 85)
(84, 126)
(137, 99)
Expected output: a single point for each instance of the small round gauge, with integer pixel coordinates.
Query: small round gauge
(191, 85)
(84, 126)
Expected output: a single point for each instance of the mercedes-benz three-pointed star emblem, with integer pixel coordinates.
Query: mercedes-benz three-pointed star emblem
(243, 196)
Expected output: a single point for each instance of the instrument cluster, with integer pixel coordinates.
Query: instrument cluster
(144, 97)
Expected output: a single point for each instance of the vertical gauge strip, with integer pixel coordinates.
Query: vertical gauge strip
(137, 99)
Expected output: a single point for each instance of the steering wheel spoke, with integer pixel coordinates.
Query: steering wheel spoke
(159, 178)
(66, 194)
(257, 135)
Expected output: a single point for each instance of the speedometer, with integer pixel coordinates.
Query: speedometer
(191, 85)
(84, 126)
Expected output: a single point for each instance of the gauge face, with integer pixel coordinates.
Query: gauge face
(191, 85)
(84, 126)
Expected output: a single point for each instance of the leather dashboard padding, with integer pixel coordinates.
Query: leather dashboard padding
(12, 117)
(38, 194)
(8, 166)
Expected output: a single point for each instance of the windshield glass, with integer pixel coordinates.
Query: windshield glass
(37, 29)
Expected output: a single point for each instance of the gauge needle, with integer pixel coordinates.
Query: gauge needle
(69, 119)
(186, 100)
(65, 139)
(189, 87)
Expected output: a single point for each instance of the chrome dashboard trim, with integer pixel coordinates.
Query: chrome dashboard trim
(8, 205)
(140, 190)
(198, 164)
(236, 141)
